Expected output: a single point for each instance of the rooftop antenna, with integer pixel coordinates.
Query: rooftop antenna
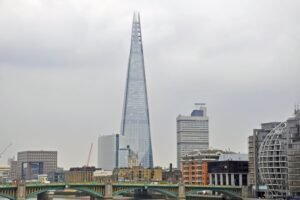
(197, 105)
(296, 108)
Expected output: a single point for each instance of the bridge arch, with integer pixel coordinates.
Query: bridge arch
(162, 191)
(7, 196)
(222, 191)
(86, 190)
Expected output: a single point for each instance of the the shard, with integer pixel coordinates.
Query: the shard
(135, 126)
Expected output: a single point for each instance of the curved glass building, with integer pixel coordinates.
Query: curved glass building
(273, 162)
(135, 126)
(279, 159)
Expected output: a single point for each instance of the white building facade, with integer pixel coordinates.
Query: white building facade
(192, 133)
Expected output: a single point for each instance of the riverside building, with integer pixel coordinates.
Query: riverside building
(254, 142)
(279, 161)
(194, 165)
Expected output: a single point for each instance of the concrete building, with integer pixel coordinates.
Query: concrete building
(229, 169)
(278, 159)
(32, 163)
(192, 133)
(194, 165)
(254, 142)
(108, 151)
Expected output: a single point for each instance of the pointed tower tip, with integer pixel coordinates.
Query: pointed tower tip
(136, 16)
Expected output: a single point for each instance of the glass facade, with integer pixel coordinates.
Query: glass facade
(135, 124)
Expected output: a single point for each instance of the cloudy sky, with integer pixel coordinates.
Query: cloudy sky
(63, 68)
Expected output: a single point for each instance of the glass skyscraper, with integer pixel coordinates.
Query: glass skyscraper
(135, 126)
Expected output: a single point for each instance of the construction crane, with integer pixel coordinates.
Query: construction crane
(89, 156)
(4, 150)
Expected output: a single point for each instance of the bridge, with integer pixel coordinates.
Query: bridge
(23, 191)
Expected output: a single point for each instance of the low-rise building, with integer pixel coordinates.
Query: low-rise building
(194, 165)
(229, 169)
(102, 176)
(57, 176)
(171, 175)
(4, 173)
(138, 173)
(80, 174)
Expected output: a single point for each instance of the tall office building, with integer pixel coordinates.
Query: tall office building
(135, 125)
(108, 151)
(192, 133)
(32, 163)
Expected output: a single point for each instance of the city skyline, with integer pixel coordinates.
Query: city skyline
(63, 76)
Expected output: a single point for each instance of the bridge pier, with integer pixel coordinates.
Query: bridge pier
(181, 192)
(21, 191)
(108, 194)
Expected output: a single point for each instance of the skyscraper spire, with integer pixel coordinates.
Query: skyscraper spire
(135, 125)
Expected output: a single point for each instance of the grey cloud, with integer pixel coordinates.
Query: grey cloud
(63, 67)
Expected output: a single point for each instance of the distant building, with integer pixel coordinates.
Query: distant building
(102, 176)
(194, 165)
(127, 158)
(254, 142)
(4, 173)
(192, 133)
(80, 174)
(108, 151)
(57, 176)
(138, 173)
(171, 175)
(13, 169)
(30, 164)
(229, 169)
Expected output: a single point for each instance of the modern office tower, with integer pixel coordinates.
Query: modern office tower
(135, 125)
(254, 142)
(192, 132)
(278, 159)
(108, 151)
(33, 163)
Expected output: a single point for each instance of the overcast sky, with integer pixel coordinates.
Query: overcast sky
(63, 69)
